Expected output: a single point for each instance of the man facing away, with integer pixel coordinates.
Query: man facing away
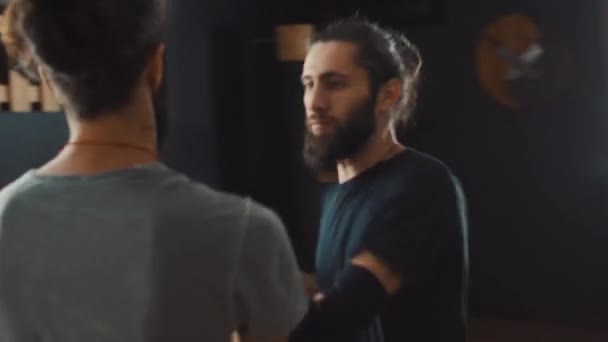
(392, 254)
(104, 242)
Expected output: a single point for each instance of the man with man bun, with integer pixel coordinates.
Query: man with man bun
(391, 259)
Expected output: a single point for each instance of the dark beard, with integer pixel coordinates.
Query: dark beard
(322, 152)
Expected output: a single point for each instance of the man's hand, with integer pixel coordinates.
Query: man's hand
(310, 283)
(390, 280)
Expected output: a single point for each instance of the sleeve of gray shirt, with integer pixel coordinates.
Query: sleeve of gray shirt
(270, 298)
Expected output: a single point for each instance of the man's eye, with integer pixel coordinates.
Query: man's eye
(335, 85)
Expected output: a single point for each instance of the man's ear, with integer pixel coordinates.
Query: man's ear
(156, 67)
(388, 96)
(44, 79)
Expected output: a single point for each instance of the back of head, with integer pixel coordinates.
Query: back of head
(93, 51)
(385, 54)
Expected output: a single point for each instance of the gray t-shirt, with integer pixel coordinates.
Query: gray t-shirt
(141, 255)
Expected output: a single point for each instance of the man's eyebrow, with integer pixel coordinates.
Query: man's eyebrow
(326, 75)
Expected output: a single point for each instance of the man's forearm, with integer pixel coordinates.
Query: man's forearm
(345, 310)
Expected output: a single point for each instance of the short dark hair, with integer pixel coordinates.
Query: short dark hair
(385, 54)
(94, 51)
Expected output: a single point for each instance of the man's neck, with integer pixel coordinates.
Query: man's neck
(114, 141)
(377, 150)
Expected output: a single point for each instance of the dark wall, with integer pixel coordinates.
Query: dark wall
(205, 58)
(535, 179)
(28, 140)
(191, 142)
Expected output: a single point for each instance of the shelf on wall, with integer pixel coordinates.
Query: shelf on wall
(29, 113)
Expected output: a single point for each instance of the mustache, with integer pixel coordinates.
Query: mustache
(317, 117)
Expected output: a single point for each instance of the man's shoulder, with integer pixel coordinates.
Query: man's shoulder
(194, 198)
(202, 198)
(16, 189)
(263, 221)
(428, 165)
(418, 178)
(427, 171)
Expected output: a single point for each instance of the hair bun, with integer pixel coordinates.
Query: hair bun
(408, 52)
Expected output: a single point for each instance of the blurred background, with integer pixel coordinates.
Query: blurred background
(513, 100)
